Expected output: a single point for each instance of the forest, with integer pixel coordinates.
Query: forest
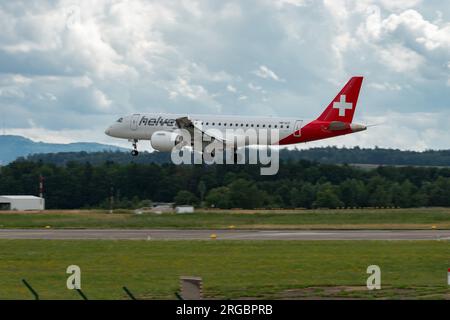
(299, 184)
(331, 155)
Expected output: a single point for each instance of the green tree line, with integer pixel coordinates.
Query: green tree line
(298, 184)
(331, 155)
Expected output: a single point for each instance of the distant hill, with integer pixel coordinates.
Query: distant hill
(366, 158)
(99, 158)
(13, 147)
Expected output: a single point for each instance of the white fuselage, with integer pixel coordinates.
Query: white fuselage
(161, 128)
(142, 126)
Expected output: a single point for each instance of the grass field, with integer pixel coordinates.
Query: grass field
(240, 219)
(230, 269)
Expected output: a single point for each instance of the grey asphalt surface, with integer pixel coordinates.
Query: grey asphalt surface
(161, 234)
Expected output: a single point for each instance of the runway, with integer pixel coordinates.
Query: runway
(161, 234)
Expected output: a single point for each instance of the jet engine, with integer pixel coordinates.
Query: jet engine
(165, 141)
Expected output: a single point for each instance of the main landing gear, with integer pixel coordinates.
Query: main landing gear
(135, 152)
(236, 157)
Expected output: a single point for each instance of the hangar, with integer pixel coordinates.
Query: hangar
(21, 203)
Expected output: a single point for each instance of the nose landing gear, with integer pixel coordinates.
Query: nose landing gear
(135, 152)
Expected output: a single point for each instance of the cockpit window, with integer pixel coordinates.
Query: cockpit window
(120, 120)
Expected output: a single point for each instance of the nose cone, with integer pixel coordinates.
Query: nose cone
(108, 131)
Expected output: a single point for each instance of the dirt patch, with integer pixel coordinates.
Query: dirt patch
(361, 292)
(317, 293)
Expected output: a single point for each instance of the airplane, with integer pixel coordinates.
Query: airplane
(161, 128)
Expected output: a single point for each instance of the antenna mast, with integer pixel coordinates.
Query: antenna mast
(41, 186)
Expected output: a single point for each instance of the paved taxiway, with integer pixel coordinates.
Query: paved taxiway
(151, 234)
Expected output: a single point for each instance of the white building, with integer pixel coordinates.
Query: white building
(184, 209)
(21, 203)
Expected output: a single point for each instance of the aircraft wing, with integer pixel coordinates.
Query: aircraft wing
(184, 123)
(188, 124)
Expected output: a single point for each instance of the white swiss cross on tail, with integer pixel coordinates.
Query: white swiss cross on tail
(342, 105)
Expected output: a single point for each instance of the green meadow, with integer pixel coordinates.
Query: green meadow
(424, 218)
(230, 269)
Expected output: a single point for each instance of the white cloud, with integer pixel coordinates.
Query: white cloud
(400, 58)
(254, 87)
(102, 100)
(296, 3)
(394, 5)
(409, 25)
(48, 96)
(20, 79)
(11, 92)
(230, 88)
(82, 82)
(194, 92)
(265, 73)
(337, 8)
(385, 86)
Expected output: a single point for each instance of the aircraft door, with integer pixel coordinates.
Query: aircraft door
(298, 128)
(134, 121)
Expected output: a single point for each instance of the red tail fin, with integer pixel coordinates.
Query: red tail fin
(342, 108)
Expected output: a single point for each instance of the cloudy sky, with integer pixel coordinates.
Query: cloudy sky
(70, 68)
